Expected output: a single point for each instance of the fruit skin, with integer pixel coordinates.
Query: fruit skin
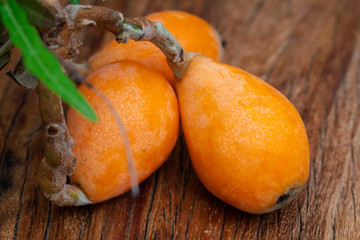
(193, 33)
(247, 143)
(148, 108)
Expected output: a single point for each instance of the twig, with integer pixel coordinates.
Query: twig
(138, 29)
(59, 161)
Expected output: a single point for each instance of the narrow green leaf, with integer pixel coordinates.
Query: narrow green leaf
(38, 60)
(37, 14)
(74, 2)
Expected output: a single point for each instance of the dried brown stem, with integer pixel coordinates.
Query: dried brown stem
(138, 29)
(80, 16)
(59, 161)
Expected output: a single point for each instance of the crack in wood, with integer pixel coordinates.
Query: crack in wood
(151, 204)
(244, 229)
(48, 222)
(259, 5)
(306, 49)
(12, 125)
(224, 221)
(300, 220)
(189, 218)
(259, 226)
(21, 194)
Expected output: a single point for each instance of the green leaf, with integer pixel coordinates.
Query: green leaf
(37, 14)
(38, 60)
(74, 2)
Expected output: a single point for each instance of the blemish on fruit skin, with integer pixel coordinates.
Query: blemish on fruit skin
(75, 196)
(203, 121)
(283, 198)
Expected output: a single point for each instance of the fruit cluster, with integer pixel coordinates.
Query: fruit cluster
(247, 143)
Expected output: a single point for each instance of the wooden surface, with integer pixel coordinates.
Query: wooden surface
(308, 49)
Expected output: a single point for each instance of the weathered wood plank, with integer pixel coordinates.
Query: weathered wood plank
(309, 50)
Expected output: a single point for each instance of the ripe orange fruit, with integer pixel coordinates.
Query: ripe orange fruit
(193, 33)
(148, 108)
(247, 143)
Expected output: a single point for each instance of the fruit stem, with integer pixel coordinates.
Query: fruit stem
(138, 29)
(142, 29)
(59, 161)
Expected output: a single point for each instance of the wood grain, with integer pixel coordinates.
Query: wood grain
(308, 49)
